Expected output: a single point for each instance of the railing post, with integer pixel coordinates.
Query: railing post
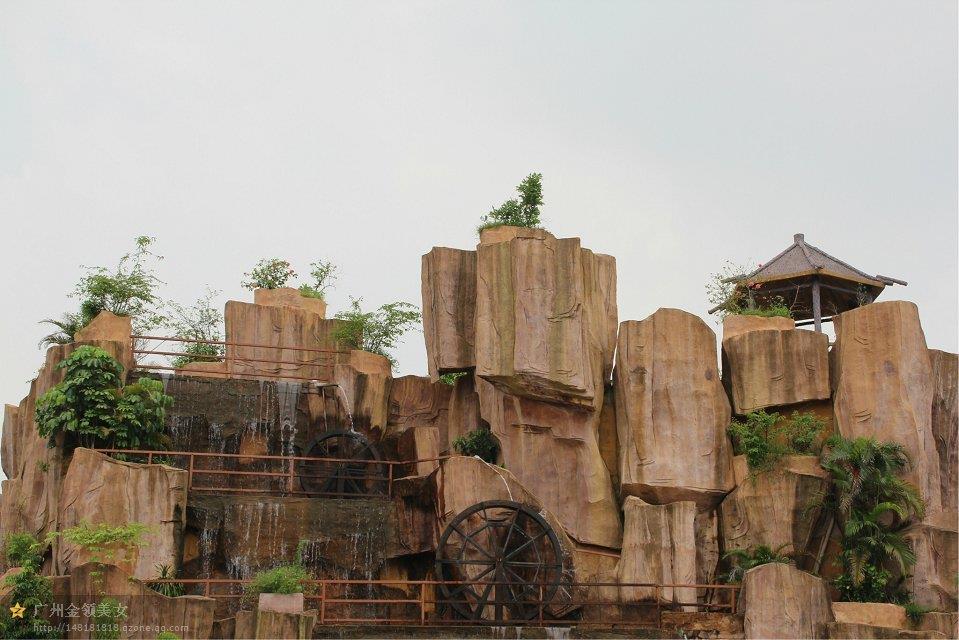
(206, 588)
(323, 602)
(389, 485)
(189, 477)
(150, 458)
(540, 603)
(734, 604)
(422, 603)
(659, 607)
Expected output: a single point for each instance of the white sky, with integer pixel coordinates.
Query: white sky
(673, 135)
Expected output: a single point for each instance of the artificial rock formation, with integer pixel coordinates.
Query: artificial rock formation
(545, 316)
(365, 379)
(734, 324)
(884, 386)
(945, 424)
(416, 401)
(659, 546)
(99, 489)
(780, 601)
(671, 411)
(289, 297)
(449, 296)
(774, 507)
(553, 450)
(935, 542)
(464, 412)
(773, 367)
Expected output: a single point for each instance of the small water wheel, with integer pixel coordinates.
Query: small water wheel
(495, 559)
(346, 465)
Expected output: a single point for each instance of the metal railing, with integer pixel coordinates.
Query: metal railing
(240, 359)
(422, 604)
(288, 475)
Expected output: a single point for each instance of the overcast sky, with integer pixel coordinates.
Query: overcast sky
(672, 135)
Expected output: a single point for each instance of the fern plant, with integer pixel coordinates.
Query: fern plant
(742, 560)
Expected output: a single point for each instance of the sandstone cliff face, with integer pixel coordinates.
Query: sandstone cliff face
(416, 401)
(365, 379)
(773, 367)
(464, 412)
(884, 386)
(659, 546)
(545, 317)
(671, 411)
(780, 601)
(553, 450)
(34, 471)
(97, 488)
(936, 545)
(945, 424)
(449, 298)
(774, 507)
(285, 330)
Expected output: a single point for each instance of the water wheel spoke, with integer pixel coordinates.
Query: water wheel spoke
(526, 544)
(470, 540)
(472, 581)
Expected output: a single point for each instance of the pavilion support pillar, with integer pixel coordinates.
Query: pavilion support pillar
(816, 305)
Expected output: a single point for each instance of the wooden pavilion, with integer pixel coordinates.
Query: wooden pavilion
(812, 283)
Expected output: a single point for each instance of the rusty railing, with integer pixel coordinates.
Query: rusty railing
(422, 605)
(240, 359)
(377, 475)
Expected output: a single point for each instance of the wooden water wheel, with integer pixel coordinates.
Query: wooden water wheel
(345, 464)
(498, 560)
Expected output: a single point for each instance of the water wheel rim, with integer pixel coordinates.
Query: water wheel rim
(365, 477)
(504, 567)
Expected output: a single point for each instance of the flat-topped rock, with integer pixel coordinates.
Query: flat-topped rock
(770, 367)
(671, 411)
(780, 601)
(289, 297)
(735, 324)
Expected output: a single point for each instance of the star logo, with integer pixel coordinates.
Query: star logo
(16, 611)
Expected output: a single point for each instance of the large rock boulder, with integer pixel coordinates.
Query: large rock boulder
(289, 297)
(772, 368)
(98, 489)
(780, 601)
(545, 316)
(575, 485)
(659, 546)
(365, 380)
(945, 424)
(416, 401)
(775, 507)
(671, 411)
(933, 578)
(298, 342)
(449, 298)
(884, 386)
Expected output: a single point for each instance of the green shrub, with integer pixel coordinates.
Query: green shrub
(323, 273)
(169, 589)
(764, 438)
(200, 321)
(269, 273)
(129, 289)
(375, 331)
(451, 378)
(772, 310)
(101, 540)
(23, 550)
(167, 635)
(92, 407)
(742, 560)
(288, 578)
(478, 442)
(518, 213)
(875, 506)
(915, 612)
(33, 592)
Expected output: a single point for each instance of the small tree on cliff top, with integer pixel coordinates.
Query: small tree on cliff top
(518, 213)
